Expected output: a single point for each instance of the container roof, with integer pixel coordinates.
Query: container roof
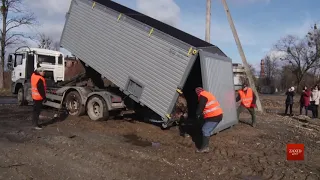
(172, 31)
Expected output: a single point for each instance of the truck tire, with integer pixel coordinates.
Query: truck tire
(97, 109)
(73, 102)
(20, 97)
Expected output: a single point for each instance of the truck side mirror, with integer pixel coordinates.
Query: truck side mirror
(10, 62)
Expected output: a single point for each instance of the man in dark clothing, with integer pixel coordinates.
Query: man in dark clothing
(248, 101)
(289, 101)
(210, 111)
(38, 85)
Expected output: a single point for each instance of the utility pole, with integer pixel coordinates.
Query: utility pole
(243, 57)
(208, 21)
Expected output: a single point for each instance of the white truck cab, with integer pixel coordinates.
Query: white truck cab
(25, 60)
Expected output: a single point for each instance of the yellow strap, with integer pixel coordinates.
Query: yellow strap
(168, 116)
(190, 50)
(93, 5)
(151, 31)
(119, 16)
(179, 91)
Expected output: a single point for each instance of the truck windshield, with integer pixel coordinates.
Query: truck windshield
(46, 59)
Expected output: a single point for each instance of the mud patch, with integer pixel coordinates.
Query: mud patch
(135, 140)
(252, 178)
(16, 137)
(60, 140)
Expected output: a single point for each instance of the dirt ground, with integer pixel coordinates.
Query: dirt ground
(77, 148)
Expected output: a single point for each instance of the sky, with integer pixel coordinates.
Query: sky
(259, 23)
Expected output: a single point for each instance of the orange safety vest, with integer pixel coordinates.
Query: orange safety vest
(34, 89)
(246, 98)
(212, 107)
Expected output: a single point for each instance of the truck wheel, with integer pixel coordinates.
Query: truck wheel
(73, 104)
(97, 109)
(21, 98)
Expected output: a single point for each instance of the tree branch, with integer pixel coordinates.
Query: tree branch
(20, 21)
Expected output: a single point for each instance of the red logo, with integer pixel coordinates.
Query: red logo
(295, 152)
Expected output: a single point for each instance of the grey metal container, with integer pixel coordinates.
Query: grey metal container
(147, 59)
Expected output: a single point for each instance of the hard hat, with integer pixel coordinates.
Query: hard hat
(40, 69)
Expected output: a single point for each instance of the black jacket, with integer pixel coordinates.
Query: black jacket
(290, 95)
(40, 86)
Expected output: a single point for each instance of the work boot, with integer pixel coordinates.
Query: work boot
(253, 124)
(37, 128)
(205, 145)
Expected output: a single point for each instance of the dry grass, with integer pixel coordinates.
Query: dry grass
(5, 92)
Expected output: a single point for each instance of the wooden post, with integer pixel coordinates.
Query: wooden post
(243, 57)
(208, 21)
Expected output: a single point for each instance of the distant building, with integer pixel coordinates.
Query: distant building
(238, 74)
(264, 89)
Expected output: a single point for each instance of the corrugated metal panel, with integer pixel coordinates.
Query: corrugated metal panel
(217, 78)
(119, 50)
(163, 27)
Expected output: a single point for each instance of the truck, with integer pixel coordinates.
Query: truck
(151, 64)
(78, 100)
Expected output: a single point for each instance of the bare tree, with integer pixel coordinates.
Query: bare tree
(44, 41)
(302, 54)
(286, 77)
(270, 69)
(56, 46)
(245, 79)
(13, 16)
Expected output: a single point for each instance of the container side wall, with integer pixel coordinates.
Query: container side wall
(217, 78)
(146, 66)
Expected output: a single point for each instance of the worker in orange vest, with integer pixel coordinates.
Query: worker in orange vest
(38, 90)
(248, 101)
(210, 111)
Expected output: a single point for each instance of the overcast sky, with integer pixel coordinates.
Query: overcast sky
(260, 23)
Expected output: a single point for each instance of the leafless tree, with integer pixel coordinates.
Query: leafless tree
(302, 54)
(287, 78)
(13, 16)
(244, 79)
(44, 41)
(56, 46)
(271, 70)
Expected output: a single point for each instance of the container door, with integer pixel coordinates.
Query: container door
(217, 77)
